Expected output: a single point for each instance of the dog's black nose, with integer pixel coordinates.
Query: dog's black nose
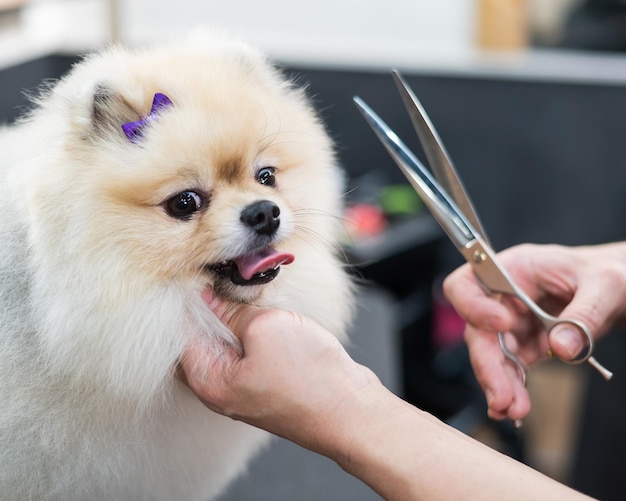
(263, 217)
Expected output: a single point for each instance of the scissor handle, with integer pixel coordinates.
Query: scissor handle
(550, 322)
(495, 278)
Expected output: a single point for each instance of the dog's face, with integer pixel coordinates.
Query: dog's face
(221, 186)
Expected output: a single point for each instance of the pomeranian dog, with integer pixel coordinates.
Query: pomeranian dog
(137, 181)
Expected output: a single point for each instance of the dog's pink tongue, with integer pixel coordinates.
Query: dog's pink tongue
(264, 260)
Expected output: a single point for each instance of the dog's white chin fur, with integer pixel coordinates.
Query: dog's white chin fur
(98, 294)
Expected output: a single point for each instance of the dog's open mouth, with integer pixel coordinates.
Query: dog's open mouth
(255, 268)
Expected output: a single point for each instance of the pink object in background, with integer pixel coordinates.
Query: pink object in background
(447, 325)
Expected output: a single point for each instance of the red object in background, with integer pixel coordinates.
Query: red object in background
(365, 220)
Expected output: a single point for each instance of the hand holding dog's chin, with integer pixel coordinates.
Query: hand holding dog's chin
(294, 379)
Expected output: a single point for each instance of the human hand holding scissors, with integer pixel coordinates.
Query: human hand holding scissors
(583, 282)
(449, 203)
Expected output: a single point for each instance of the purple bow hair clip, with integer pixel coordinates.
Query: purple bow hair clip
(134, 130)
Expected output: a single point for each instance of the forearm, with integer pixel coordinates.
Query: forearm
(406, 454)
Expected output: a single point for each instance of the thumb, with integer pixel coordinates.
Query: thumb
(204, 357)
(567, 340)
(235, 315)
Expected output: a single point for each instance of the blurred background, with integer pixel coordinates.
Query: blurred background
(529, 97)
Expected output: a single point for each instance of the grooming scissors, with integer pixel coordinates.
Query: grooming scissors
(447, 200)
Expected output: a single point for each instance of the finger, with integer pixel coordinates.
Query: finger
(489, 365)
(498, 376)
(237, 316)
(514, 403)
(206, 358)
(472, 303)
(520, 403)
(203, 372)
(223, 309)
(566, 340)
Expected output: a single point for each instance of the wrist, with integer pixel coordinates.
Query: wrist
(333, 425)
(364, 439)
(355, 419)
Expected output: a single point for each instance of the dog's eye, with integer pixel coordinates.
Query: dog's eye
(183, 205)
(266, 176)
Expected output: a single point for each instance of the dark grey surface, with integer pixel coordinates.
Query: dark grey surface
(285, 471)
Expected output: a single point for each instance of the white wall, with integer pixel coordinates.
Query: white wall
(357, 33)
(325, 31)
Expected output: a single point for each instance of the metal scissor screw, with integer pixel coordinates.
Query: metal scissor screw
(479, 257)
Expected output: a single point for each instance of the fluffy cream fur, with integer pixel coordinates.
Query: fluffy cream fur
(100, 286)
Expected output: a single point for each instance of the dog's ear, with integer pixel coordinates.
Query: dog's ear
(109, 110)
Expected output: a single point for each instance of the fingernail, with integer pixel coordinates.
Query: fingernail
(569, 339)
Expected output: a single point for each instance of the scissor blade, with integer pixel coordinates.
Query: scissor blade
(432, 194)
(437, 156)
